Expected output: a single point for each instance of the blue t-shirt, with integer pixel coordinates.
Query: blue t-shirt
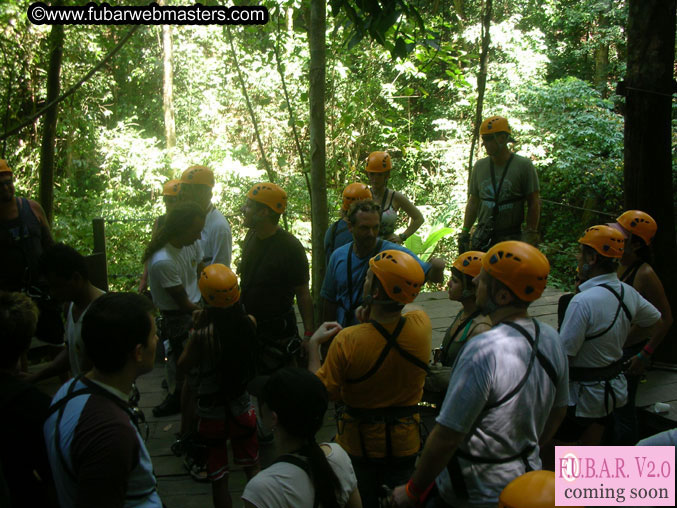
(335, 286)
(336, 236)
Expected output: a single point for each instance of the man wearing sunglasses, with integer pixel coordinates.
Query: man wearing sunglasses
(498, 188)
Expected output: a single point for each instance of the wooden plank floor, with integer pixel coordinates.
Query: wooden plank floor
(178, 489)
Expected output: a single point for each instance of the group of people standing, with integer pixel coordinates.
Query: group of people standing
(507, 387)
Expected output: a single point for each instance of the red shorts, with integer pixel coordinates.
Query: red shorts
(241, 430)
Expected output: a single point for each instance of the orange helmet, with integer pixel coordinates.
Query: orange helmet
(218, 286)
(378, 162)
(171, 188)
(4, 167)
(200, 175)
(639, 223)
(354, 192)
(271, 195)
(399, 273)
(494, 124)
(607, 241)
(535, 489)
(469, 263)
(520, 266)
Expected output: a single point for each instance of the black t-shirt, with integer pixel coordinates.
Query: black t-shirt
(269, 271)
(22, 445)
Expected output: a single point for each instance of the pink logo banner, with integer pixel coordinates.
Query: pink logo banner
(615, 476)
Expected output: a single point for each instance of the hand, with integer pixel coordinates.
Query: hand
(638, 364)
(463, 242)
(400, 498)
(325, 332)
(362, 313)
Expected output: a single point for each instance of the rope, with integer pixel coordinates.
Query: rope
(578, 208)
(663, 94)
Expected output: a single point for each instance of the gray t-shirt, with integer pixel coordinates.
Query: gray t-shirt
(490, 366)
(520, 181)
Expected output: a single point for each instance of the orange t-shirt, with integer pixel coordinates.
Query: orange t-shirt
(397, 383)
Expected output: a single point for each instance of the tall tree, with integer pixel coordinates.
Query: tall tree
(49, 132)
(168, 84)
(317, 41)
(648, 133)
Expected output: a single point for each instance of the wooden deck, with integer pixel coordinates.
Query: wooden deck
(178, 490)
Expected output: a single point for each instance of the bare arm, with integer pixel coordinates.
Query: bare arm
(56, 367)
(438, 451)
(415, 215)
(180, 297)
(323, 333)
(555, 418)
(47, 240)
(354, 501)
(651, 288)
(191, 354)
(471, 208)
(305, 303)
(533, 210)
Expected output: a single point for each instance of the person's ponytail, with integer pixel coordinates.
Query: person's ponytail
(324, 479)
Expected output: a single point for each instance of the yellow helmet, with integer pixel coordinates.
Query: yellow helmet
(535, 489)
(378, 162)
(399, 273)
(200, 175)
(521, 267)
(494, 124)
(4, 167)
(469, 263)
(171, 188)
(271, 195)
(639, 223)
(354, 192)
(218, 286)
(607, 241)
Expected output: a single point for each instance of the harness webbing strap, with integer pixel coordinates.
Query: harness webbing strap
(621, 305)
(391, 341)
(454, 467)
(302, 463)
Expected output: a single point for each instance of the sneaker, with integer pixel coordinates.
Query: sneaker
(197, 471)
(170, 406)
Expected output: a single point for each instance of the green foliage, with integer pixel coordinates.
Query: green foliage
(401, 76)
(424, 249)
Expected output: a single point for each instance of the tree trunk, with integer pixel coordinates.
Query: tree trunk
(316, 38)
(168, 85)
(481, 79)
(648, 131)
(602, 57)
(49, 132)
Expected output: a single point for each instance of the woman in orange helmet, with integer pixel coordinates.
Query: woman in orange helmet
(378, 170)
(467, 323)
(635, 269)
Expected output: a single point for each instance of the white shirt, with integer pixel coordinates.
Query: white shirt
(284, 485)
(216, 239)
(76, 348)
(171, 267)
(488, 368)
(591, 312)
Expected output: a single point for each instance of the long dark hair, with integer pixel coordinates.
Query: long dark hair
(179, 218)
(233, 348)
(300, 400)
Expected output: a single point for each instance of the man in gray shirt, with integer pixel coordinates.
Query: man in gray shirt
(499, 185)
(507, 394)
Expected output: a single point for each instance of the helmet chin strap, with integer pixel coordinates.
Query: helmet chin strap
(489, 307)
(584, 272)
(467, 293)
(370, 300)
